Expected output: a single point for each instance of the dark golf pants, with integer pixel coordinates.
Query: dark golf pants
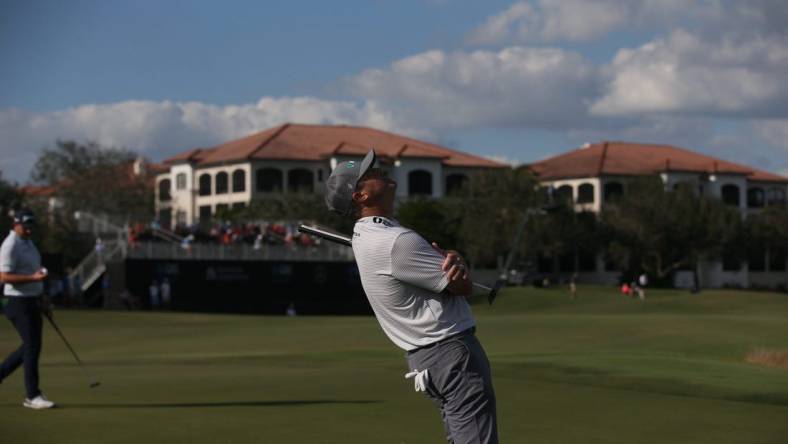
(25, 314)
(460, 384)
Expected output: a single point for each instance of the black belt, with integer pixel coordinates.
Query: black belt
(467, 331)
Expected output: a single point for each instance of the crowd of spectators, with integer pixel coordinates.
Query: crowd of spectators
(256, 234)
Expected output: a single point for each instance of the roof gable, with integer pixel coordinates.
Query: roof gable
(628, 159)
(317, 142)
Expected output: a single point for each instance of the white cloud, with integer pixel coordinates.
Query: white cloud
(572, 20)
(513, 87)
(687, 73)
(773, 131)
(159, 129)
(588, 20)
(504, 159)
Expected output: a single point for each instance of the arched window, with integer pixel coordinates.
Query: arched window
(164, 190)
(180, 181)
(755, 197)
(205, 184)
(419, 183)
(300, 180)
(564, 194)
(239, 181)
(613, 191)
(730, 195)
(221, 183)
(454, 183)
(585, 193)
(269, 180)
(776, 196)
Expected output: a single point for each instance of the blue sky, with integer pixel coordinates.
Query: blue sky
(516, 81)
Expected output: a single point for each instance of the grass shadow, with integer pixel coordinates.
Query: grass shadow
(221, 404)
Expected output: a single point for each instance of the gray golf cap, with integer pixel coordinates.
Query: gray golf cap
(341, 184)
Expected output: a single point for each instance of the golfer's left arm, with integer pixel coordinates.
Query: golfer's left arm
(416, 262)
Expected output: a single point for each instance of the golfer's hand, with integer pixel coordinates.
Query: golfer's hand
(453, 264)
(39, 275)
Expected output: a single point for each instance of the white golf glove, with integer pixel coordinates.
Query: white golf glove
(420, 379)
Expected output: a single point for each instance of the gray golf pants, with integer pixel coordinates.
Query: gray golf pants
(460, 384)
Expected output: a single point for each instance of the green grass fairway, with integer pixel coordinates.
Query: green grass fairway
(600, 369)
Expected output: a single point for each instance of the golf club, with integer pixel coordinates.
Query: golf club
(339, 238)
(92, 382)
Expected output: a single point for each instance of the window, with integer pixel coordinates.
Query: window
(777, 259)
(455, 183)
(165, 218)
(300, 180)
(269, 180)
(776, 196)
(180, 181)
(239, 181)
(419, 183)
(564, 194)
(221, 183)
(164, 190)
(221, 209)
(180, 218)
(730, 195)
(755, 197)
(756, 258)
(731, 261)
(613, 191)
(205, 215)
(585, 193)
(205, 185)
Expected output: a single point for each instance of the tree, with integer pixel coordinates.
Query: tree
(92, 178)
(97, 179)
(491, 207)
(659, 231)
(435, 219)
(9, 199)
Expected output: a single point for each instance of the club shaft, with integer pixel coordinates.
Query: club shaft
(70, 348)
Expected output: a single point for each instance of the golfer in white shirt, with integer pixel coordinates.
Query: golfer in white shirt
(417, 292)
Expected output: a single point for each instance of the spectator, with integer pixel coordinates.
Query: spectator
(125, 299)
(153, 293)
(166, 298)
(641, 286)
(573, 285)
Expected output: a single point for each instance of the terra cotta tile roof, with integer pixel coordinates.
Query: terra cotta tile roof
(319, 142)
(633, 159)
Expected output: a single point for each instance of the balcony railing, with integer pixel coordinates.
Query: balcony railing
(241, 252)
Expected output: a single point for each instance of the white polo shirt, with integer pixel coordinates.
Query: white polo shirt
(402, 277)
(20, 256)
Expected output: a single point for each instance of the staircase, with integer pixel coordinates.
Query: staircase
(113, 247)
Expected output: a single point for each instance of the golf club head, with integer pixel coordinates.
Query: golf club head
(95, 384)
(494, 292)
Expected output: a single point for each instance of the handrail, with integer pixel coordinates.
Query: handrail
(242, 252)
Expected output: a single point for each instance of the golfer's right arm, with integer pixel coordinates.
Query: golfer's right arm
(11, 278)
(6, 270)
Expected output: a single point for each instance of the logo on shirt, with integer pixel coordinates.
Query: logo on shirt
(380, 220)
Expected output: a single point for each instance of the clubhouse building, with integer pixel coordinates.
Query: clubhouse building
(296, 158)
(594, 173)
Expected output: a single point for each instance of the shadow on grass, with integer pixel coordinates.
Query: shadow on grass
(551, 372)
(288, 403)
